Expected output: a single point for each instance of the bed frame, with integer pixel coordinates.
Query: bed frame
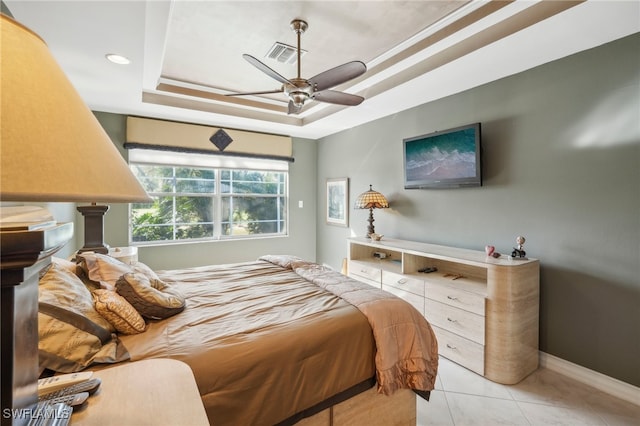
(369, 408)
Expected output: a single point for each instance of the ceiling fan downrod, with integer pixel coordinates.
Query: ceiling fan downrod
(299, 27)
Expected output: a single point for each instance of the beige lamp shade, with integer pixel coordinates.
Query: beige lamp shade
(371, 200)
(52, 146)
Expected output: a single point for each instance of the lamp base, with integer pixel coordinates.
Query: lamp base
(370, 229)
(23, 255)
(94, 229)
(20, 347)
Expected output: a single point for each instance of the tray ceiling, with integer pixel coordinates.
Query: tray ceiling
(186, 55)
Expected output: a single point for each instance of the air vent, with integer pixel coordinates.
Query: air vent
(284, 53)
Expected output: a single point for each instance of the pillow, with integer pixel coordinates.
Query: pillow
(102, 269)
(71, 333)
(118, 312)
(105, 270)
(284, 260)
(64, 263)
(153, 298)
(144, 270)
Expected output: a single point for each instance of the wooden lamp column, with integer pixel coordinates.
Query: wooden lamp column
(94, 228)
(23, 255)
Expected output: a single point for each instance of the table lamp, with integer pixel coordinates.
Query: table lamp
(52, 150)
(371, 200)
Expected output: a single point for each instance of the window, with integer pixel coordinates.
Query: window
(253, 202)
(205, 197)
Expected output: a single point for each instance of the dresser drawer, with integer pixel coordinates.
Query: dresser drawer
(458, 321)
(458, 349)
(413, 299)
(449, 295)
(403, 282)
(372, 283)
(369, 273)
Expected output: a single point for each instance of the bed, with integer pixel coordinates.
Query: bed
(282, 341)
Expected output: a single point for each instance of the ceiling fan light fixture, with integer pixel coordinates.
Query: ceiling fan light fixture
(298, 92)
(298, 98)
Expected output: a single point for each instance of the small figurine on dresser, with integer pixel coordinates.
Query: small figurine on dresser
(518, 253)
(491, 251)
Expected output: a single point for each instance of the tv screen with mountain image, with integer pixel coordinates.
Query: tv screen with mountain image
(444, 159)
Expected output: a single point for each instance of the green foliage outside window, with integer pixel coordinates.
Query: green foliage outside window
(185, 199)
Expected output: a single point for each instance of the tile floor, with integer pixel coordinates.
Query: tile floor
(463, 398)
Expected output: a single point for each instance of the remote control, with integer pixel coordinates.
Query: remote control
(89, 386)
(72, 400)
(54, 383)
(428, 269)
(51, 415)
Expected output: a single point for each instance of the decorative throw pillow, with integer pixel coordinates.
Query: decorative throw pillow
(105, 270)
(153, 298)
(118, 312)
(71, 333)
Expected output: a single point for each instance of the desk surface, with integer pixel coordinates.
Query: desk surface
(144, 393)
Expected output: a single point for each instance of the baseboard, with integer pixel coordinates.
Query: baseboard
(602, 382)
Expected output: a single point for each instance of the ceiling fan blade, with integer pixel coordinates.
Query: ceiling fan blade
(339, 98)
(292, 109)
(337, 75)
(266, 92)
(265, 69)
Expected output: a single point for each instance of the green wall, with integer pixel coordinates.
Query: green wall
(561, 167)
(301, 240)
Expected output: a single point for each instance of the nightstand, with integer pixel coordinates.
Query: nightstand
(144, 392)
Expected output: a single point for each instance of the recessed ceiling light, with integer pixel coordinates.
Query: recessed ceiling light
(118, 59)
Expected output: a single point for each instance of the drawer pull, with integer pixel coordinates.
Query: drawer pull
(451, 320)
(452, 298)
(402, 281)
(451, 347)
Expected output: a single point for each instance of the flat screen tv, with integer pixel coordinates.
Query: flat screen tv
(445, 159)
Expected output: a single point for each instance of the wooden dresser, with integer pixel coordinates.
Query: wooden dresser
(483, 310)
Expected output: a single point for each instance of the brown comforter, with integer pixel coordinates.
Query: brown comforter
(407, 349)
(264, 343)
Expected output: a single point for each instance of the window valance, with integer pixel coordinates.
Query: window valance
(148, 133)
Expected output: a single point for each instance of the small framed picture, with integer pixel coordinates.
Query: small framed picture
(338, 201)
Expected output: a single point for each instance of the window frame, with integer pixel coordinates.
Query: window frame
(217, 164)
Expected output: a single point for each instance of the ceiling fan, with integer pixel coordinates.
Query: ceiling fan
(300, 90)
